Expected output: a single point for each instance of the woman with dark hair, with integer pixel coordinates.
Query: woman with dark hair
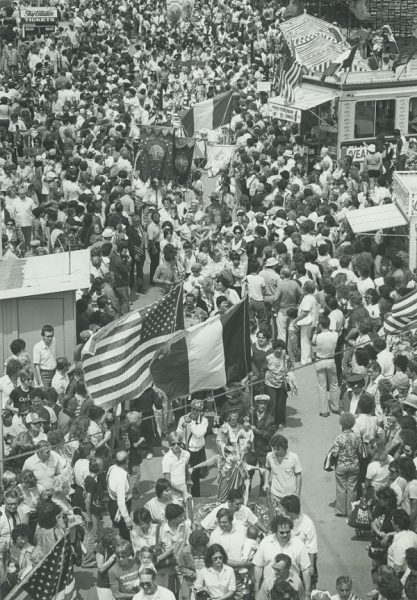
(216, 578)
(106, 558)
(171, 538)
(51, 526)
(366, 424)
(381, 525)
(260, 348)
(408, 471)
(190, 560)
(346, 451)
(143, 533)
(277, 366)
(156, 506)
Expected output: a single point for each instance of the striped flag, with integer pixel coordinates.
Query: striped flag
(290, 78)
(403, 315)
(116, 359)
(209, 114)
(52, 578)
(207, 356)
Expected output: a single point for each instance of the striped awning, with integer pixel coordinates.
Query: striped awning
(316, 43)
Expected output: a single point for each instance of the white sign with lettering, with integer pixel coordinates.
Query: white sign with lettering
(285, 113)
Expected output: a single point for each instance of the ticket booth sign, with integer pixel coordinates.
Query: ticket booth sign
(285, 113)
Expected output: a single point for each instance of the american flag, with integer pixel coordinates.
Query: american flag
(403, 315)
(290, 78)
(53, 578)
(116, 359)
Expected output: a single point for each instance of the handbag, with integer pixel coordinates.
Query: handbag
(360, 518)
(330, 461)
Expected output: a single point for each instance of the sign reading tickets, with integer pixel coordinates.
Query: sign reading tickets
(38, 14)
(285, 113)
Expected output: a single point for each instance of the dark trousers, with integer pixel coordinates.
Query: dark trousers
(137, 267)
(121, 525)
(279, 403)
(154, 258)
(339, 357)
(195, 459)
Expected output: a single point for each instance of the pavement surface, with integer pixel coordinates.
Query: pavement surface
(310, 436)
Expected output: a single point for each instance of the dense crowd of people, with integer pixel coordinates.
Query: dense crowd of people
(275, 232)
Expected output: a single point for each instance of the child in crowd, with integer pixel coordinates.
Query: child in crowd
(245, 437)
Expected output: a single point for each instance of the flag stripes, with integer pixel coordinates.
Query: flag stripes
(403, 315)
(52, 578)
(116, 359)
(289, 80)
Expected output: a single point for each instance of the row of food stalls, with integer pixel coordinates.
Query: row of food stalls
(399, 216)
(348, 111)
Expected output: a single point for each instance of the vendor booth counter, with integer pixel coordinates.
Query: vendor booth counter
(348, 114)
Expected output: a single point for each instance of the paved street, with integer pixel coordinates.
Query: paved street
(310, 436)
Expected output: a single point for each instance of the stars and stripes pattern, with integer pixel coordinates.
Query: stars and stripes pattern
(116, 359)
(403, 315)
(53, 578)
(290, 78)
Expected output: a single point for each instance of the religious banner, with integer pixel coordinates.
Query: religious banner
(154, 153)
(218, 157)
(183, 158)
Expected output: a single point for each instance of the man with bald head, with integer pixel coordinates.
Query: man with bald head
(288, 295)
(120, 494)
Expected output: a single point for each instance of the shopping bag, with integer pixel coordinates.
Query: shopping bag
(360, 518)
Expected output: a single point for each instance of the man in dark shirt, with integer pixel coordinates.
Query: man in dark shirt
(120, 266)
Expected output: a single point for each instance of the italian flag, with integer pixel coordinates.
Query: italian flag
(209, 114)
(207, 356)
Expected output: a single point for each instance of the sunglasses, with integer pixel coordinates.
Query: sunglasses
(175, 444)
(145, 584)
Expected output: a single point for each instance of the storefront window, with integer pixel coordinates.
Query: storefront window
(385, 117)
(412, 116)
(364, 119)
(373, 118)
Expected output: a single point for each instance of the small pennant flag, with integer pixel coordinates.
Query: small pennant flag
(404, 58)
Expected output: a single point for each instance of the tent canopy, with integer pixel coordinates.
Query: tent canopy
(364, 220)
(307, 97)
(315, 43)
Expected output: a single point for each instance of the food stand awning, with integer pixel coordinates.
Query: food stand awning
(305, 98)
(364, 220)
(314, 43)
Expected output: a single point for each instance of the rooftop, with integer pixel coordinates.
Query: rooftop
(44, 274)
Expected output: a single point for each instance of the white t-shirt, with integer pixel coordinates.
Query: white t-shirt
(256, 287)
(176, 467)
(377, 474)
(396, 552)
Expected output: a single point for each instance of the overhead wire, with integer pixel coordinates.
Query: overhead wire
(229, 391)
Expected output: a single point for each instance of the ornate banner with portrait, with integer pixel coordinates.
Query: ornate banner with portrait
(183, 158)
(155, 152)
